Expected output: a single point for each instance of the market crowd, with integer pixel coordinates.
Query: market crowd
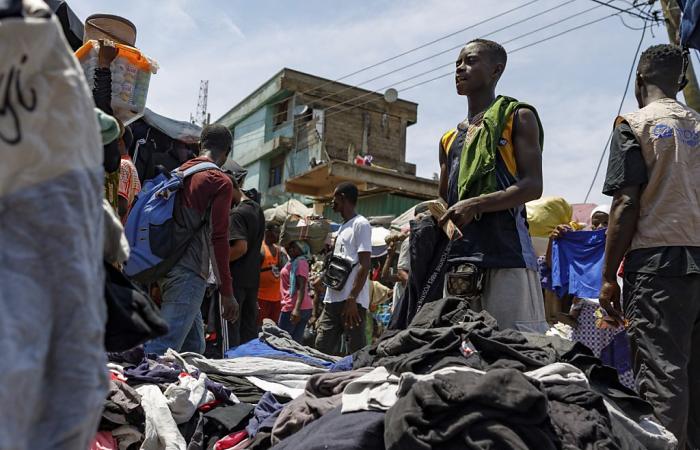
(170, 314)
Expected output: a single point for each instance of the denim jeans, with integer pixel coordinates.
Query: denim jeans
(296, 331)
(182, 291)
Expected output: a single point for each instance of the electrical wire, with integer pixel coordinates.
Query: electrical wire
(255, 137)
(422, 46)
(628, 11)
(442, 52)
(619, 110)
(518, 22)
(578, 27)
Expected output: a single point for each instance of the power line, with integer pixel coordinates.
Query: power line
(510, 52)
(427, 44)
(429, 57)
(628, 11)
(619, 110)
(451, 63)
(348, 88)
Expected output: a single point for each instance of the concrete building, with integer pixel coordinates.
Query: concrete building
(300, 134)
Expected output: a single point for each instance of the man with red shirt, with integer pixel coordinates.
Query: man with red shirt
(203, 209)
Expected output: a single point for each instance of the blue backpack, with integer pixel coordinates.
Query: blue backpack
(151, 229)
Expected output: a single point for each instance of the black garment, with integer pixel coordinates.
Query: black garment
(501, 409)
(494, 240)
(510, 349)
(664, 315)
(450, 311)
(626, 167)
(427, 245)
(580, 417)
(102, 94)
(602, 379)
(217, 424)
(353, 431)
(247, 223)
(664, 261)
(132, 317)
(129, 358)
(245, 328)
(245, 390)
(122, 407)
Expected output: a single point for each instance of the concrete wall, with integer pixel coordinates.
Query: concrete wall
(249, 134)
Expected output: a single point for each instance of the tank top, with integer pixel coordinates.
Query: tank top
(269, 289)
(499, 239)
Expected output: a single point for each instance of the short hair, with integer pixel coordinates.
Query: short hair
(232, 177)
(495, 50)
(272, 227)
(349, 191)
(662, 66)
(216, 138)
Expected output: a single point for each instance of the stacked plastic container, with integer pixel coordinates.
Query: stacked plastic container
(131, 76)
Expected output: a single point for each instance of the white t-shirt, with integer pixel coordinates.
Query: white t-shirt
(354, 236)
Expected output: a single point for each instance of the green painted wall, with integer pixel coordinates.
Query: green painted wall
(378, 205)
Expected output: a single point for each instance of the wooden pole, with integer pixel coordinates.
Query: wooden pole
(672, 16)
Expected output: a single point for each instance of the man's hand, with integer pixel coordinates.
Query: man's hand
(610, 301)
(461, 213)
(350, 315)
(230, 308)
(295, 317)
(312, 321)
(560, 230)
(107, 53)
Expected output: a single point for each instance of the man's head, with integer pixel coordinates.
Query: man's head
(479, 66)
(658, 73)
(216, 140)
(272, 233)
(345, 198)
(237, 193)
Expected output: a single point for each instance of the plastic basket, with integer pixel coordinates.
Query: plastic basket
(131, 76)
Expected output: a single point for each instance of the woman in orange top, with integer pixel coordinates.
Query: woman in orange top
(269, 296)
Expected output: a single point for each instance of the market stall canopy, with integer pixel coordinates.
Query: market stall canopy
(292, 207)
(176, 129)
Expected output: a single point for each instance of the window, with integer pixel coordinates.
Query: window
(280, 113)
(276, 171)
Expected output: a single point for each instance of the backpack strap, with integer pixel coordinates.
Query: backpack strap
(200, 167)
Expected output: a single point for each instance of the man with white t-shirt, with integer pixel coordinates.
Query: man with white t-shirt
(346, 309)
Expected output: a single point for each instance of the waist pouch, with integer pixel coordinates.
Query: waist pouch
(337, 272)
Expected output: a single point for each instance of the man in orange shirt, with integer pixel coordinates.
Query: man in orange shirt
(269, 295)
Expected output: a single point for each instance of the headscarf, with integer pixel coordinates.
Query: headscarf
(305, 251)
(601, 209)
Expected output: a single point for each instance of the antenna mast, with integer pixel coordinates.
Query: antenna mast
(201, 117)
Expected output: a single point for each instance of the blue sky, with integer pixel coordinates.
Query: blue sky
(575, 80)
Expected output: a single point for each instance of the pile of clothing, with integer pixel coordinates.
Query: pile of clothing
(452, 379)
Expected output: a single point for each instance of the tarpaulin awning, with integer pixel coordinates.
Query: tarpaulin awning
(175, 129)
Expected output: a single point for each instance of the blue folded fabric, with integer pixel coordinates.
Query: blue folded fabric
(260, 349)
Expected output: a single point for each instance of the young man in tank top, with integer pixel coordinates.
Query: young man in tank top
(490, 166)
(654, 224)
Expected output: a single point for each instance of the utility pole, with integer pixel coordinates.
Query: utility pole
(672, 16)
